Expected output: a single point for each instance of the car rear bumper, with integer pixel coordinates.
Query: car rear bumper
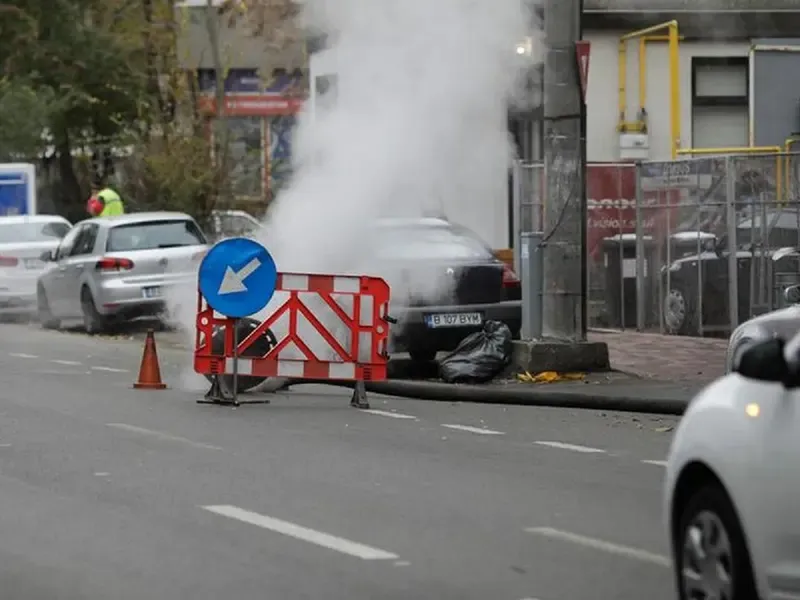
(413, 330)
(118, 297)
(17, 294)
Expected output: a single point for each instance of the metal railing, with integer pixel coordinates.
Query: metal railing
(683, 247)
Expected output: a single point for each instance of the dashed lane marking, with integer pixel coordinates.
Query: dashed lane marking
(160, 435)
(298, 532)
(109, 370)
(478, 430)
(601, 545)
(386, 413)
(658, 463)
(69, 363)
(572, 447)
(22, 355)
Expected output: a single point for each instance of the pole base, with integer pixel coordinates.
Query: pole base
(359, 397)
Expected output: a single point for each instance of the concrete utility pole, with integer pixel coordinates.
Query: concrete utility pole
(564, 285)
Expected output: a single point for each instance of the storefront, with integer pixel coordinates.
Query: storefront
(261, 119)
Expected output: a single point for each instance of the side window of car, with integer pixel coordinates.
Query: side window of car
(85, 242)
(66, 245)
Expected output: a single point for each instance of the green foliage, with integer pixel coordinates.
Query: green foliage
(24, 115)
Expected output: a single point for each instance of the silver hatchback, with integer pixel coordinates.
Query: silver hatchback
(118, 268)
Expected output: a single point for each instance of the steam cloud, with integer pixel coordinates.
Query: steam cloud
(418, 126)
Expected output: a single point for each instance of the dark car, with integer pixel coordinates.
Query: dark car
(762, 274)
(446, 283)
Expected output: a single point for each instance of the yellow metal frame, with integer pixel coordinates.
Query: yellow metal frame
(777, 150)
(645, 35)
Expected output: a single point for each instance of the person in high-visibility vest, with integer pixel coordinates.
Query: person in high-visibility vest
(105, 203)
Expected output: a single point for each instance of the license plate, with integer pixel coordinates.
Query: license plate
(33, 263)
(152, 292)
(454, 320)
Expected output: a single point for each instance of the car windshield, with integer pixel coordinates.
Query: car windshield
(152, 235)
(34, 231)
(413, 243)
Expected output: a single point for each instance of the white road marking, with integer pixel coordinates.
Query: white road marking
(474, 429)
(304, 534)
(602, 545)
(386, 413)
(573, 447)
(102, 474)
(22, 355)
(161, 435)
(658, 463)
(109, 370)
(69, 363)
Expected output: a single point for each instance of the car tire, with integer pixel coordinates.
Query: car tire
(43, 312)
(709, 518)
(244, 383)
(679, 313)
(93, 321)
(422, 355)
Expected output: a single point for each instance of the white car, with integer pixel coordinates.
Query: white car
(732, 491)
(23, 239)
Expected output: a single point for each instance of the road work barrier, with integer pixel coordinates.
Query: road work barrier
(319, 327)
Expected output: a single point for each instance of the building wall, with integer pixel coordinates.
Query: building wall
(602, 110)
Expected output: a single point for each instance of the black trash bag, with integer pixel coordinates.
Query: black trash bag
(480, 356)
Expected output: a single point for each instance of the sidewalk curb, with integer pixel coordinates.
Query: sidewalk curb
(536, 396)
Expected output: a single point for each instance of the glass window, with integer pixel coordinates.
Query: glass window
(236, 225)
(15, 233)
(68, 242)
(409, 243)
(152, 235)
(85, 242)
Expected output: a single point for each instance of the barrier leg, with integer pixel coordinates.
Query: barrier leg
(220, 393)
(359, 397)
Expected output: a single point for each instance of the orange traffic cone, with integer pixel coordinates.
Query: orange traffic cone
(149, 372)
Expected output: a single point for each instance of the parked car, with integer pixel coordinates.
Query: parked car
(22, 241)
(681, 280)
(733, 480)
(233, 223)
(113, 268)
(481, 287)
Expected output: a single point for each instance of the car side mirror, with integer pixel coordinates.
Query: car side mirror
(46, 256)
(792, 294)
(765, 361)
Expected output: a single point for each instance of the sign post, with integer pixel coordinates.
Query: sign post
(237, 278)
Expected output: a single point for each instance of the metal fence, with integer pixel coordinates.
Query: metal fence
(688, 247)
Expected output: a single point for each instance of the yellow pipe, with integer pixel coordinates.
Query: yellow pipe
(642, 72)
(675, 88)
(648, 30)
(674, 62)
(623, 73)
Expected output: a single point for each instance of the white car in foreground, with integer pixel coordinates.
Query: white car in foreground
(732, 495)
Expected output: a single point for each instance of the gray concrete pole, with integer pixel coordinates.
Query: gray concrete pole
(563, 301)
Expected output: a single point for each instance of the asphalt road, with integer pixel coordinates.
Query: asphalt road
(110, 493)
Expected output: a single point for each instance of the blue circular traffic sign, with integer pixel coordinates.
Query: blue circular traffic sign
(237, 277)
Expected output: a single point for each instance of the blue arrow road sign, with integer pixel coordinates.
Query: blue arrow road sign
(237, 277)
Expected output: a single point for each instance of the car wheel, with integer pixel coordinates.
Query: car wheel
(93, 321)
(45, 316)
(679, 314)
(260, 347)
(711, 556)
(422, 354)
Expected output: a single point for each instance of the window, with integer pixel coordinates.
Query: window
(153, 235)
(86, 239)
(67, 243)
(719, 102)
(245, 153)
(13, 233)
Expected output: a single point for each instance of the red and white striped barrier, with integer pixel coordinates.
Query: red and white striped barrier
(327, 327)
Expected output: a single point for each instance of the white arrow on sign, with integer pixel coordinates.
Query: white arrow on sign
(233, 281)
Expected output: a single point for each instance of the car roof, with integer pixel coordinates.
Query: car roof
(16, 219)
(142, 217)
